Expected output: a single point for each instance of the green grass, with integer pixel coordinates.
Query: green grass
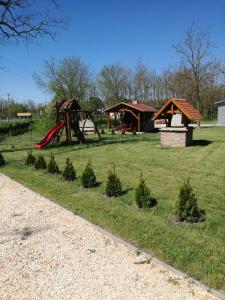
(199, 250)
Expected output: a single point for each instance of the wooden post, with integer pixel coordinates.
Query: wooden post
(139, 122)
(108, 119)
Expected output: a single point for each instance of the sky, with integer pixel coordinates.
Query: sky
(102, 32)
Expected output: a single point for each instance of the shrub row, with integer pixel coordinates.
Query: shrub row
(15, 128)
(186, 207)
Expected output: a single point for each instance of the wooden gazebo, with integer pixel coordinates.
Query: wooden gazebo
(131, 116)
(177, 136)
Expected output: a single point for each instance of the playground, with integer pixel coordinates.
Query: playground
(190, 248)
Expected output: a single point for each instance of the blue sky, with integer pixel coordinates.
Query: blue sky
(103, 31)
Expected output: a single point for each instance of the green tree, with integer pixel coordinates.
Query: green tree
(143, 195)
(52, 166)
(69, 172)
(88, 178)
(40, 163)
(186, 208)
(68, 78)
(30, 160)
(113, 185)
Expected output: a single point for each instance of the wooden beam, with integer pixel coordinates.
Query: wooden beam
(108, 120)
(128, 110)
(139, 122)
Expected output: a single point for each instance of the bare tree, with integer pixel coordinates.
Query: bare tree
(69, 78)
(115, 83)
(24, 20)
(196, 56)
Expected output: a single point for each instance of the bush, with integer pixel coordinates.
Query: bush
(2, 160)
(30, 160)
(134, 132)
(102, 131)
(186, 208)
(113, 131)
(123, 131)
(143, 195)
(69, 172)
(113, 186)
(88, 178)
(15, 128)
(52, 166)
(40, 163)
(42, 125)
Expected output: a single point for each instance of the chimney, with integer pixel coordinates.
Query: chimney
(135, 102)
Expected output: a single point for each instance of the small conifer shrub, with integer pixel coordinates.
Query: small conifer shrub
(113, 186)
(143, 195)
(40, 163)
(134, 132)
(69, 172)
(88, 178)
(186, 208)
(102, 131)
(30, 159)
(2, 160)
(113, 131)
(52, 166)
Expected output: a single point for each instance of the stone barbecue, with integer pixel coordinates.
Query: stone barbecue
(175, 136)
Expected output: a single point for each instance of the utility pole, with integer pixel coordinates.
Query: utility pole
(8, 107)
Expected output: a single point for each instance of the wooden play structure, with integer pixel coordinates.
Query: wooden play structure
(177, 136)
(68, 115)
(130, 116)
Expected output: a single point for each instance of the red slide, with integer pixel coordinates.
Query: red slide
(50, 135)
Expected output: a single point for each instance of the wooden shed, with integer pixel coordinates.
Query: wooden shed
(131, 116)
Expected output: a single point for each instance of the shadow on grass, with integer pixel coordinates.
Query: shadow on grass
(97, 143)
(201, 143)
(92, 142)
(124, 192)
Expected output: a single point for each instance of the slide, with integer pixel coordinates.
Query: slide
(50, 135)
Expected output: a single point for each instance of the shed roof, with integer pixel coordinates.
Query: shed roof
(138, 107)
(183, 106)
(220, 102)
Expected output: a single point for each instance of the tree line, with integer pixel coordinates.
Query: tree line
(9, 108)
(198, 76)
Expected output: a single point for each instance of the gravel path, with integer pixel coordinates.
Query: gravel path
(46, 252)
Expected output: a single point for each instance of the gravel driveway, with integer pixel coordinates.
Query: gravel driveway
(46, 252)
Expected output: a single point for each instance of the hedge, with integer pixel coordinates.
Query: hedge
(15, 128)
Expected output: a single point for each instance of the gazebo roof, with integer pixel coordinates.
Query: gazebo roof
(182, 105)
(136, 106)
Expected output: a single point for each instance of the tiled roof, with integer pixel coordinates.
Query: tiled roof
(142, 107)
(139, 107)
(183, 106)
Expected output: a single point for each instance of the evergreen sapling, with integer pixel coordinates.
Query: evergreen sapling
(69, 172)
(40, 163)
(2, 160)
(52, 166)
(186, 208)
(88, 178)
(143, 195)
(113, 186)
(30, 160)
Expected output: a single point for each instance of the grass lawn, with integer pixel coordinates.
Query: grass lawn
(198, 250)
